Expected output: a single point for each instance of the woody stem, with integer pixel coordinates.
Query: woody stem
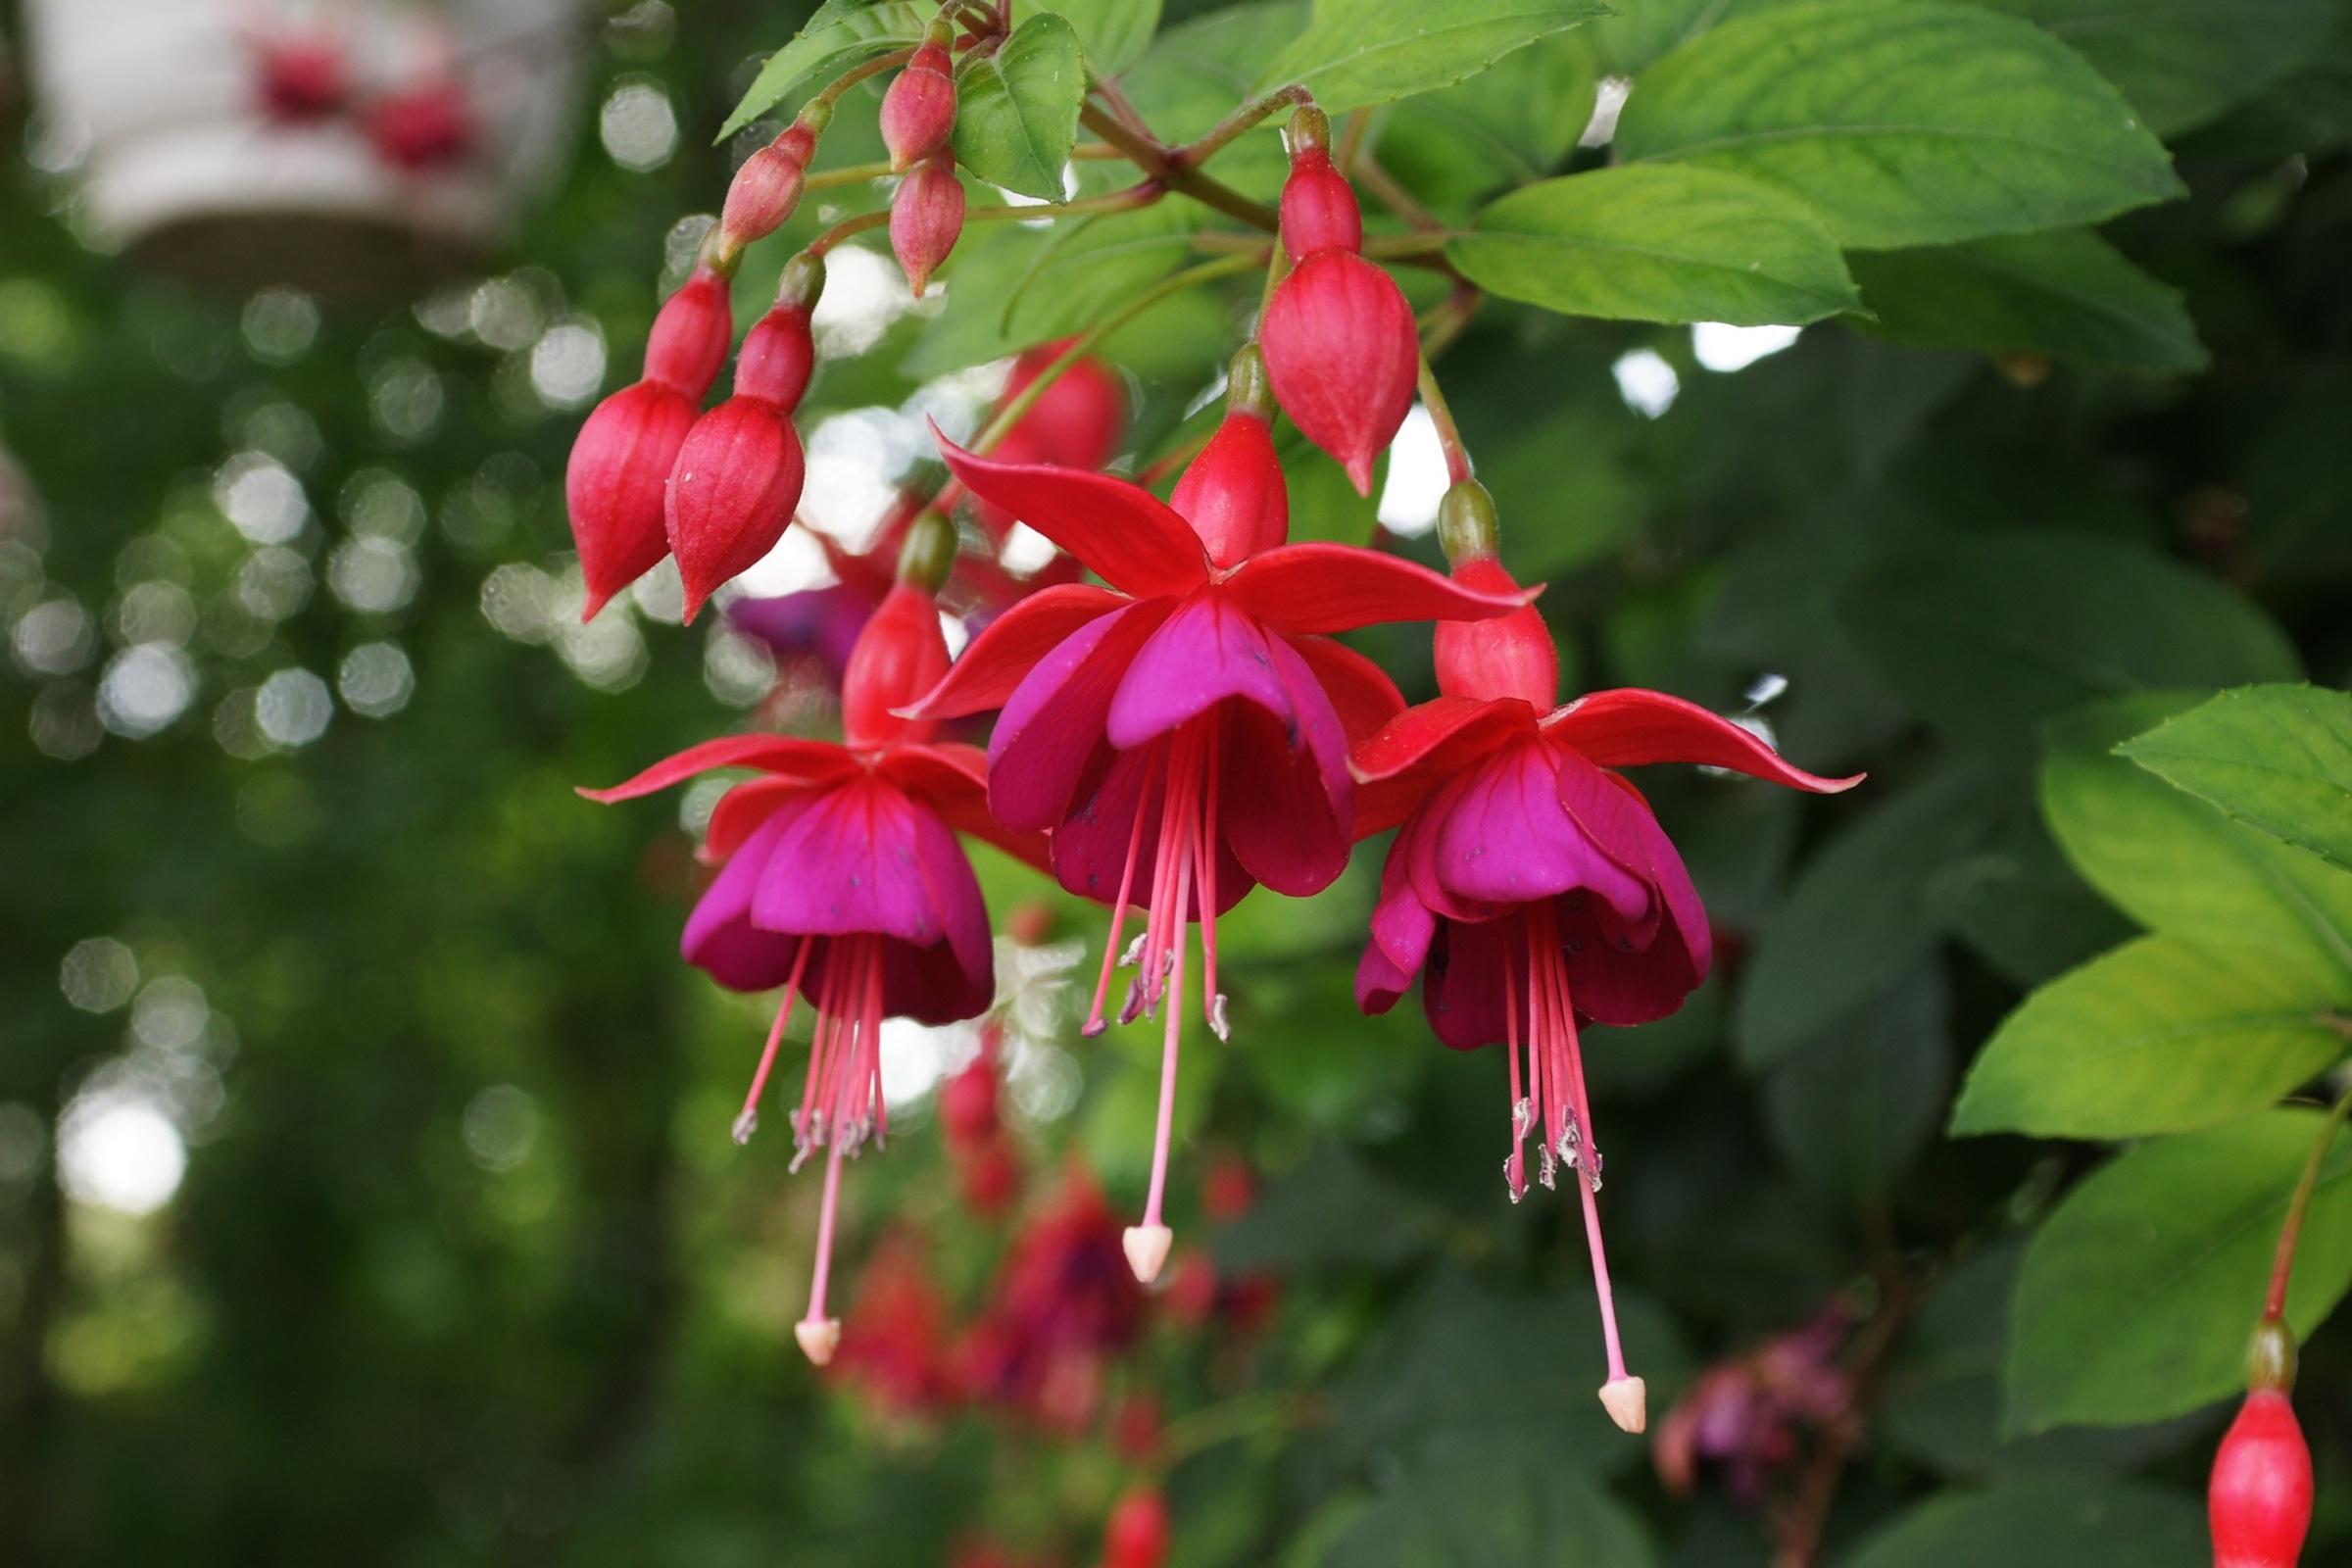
(1193, 154)
(1155, 161)
(2290, 1233)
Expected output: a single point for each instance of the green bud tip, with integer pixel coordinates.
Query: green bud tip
(1247, 390)
(2271, 1357)
(1467, 526)
(802, 282)
(941, 35)
(929, 552)
(815, 116)
(1310, 130)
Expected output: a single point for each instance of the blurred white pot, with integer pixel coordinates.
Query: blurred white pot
(401, 139)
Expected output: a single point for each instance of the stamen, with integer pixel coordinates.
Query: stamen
(748, 1121)
(819, 1335)
(1118, 914)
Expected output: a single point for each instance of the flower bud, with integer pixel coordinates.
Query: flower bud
(900, 656)
(1513, 655)
(422, 128)
(919, 113)
(2259, 1500)
(967, 1105)
(926, 217)
(1137, 1532)
(620, 462)
(1342, 353)
(303, 79)
(1077, 421)
(738, 476)
(767, 187)
(1318, 209)
(1233, 493)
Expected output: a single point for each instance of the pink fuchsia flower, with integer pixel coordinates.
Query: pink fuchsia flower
(1183, 733)
(1529, 885)
(842, 883)
(1744, 1413)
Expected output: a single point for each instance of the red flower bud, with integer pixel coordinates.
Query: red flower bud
(1318, 208)
(738, 476)
(926, 217)
(1233, 493)
(967, 1105)
(302, 81)
(1137, 1532)
(1510, 657)
(621, 460)
(900, 656)
(988, 1179)
(1077, 421)
(2259, 1501)
(425, 128)
(1342, 353)
(919, 113)
(767, 187)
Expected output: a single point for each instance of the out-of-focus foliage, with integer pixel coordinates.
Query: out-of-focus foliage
(463, 1266)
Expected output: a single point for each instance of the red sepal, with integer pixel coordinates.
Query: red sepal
(771, 753)
(1630, 726)
(1010, 646)
(1331, 587)
(1124, 535)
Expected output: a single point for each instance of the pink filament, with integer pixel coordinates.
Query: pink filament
(775, 1036)
(843, 1105)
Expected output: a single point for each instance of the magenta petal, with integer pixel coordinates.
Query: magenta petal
(1465, 989)
(1506, 839)
(851, 863)
(1054, 720)
(956, 978)
(1090, 848)
(1402, 924)
(1286, 802)
(720, 936)
(1631, 726)
(1379, 982)
(994, 666)
(1208, 651)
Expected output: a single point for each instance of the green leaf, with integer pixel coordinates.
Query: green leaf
(1659, 244)
(841, 34)
(1016, 110)
(2161, 1036)
(1114, 34)
(1333, 1209)
(1509, 126)
(1989, 634)
(2025, 912)
(2175, 864)
(1196, 75)
(1911, 123)
(2044, 1524)
(1360, 52)
(1505, 1508)
(1851, 1109)
(2182, 61)
(1859, 917)
(2275, 757)
(2136, 1295)
(2066, 293)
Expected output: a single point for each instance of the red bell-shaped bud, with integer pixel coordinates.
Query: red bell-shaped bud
(1137, 1532)
(767, 187)
(620, 463)
(1513, 655)
(421, 129)
(967, 1105)
(1342, 353)
(738, 476)
(1077, 421)
(1233, 493)
(303, 79)
(903, 652)
(919, 113)
(2258, 1503)
(1318, 208)
(926, 218)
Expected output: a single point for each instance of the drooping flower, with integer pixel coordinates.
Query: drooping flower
(1342, 347)
(302, 78)
(1744, 1413)
(425, 128)
(988, 1170)
(1529, 884)
(2257, 1502)
(844, 884)
(1063, 1306)
(614, 484)
(739, 472)
(1183, 733)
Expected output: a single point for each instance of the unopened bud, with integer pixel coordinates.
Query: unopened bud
(1319, 211)
(1309, 130)
(919, 113)
(926, 218)
(766, 188)
(1343, 353)
(900, 656)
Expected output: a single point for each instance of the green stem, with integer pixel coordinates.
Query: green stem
(1244, 1417)
(1153, 160)
(1117, 201)
(1394, 197)
(1440, 415)
(2282, 1263)
(851, 77)
(848, 174)
(1247, 118)
(846, 228)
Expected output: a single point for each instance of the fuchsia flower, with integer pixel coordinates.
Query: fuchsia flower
(767, 187)
(1529, 885)
(1184, 732)
(844, 883)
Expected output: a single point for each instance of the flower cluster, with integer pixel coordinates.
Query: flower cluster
(1174, 724)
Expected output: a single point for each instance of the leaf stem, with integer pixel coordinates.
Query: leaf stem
(1394, 197)
(2290, 1233)
(1247, 118)
(841, 84)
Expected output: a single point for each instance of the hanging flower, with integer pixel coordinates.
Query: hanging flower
(1063, 1306)
(844, 884)
(1529, 880)
(1183, 733)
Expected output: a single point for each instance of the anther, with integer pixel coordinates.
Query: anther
(746, 1124)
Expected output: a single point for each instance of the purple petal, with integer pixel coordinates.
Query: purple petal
(1378, 982)
(1286, 801)
(1090, 848)
(1054, 718)
(1208, 651)
(719, 937)
(851, 863)
(1507, 839)
(1402, 924)
(1463, 986)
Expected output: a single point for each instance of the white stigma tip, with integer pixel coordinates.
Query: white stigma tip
(1148, 1249)
(819, 1339)
(1627, 1400)
(745, 1125)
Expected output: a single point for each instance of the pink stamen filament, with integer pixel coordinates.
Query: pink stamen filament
(825, 1236)
(748, 1121)
(1118, 924)
(1552, 1021)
